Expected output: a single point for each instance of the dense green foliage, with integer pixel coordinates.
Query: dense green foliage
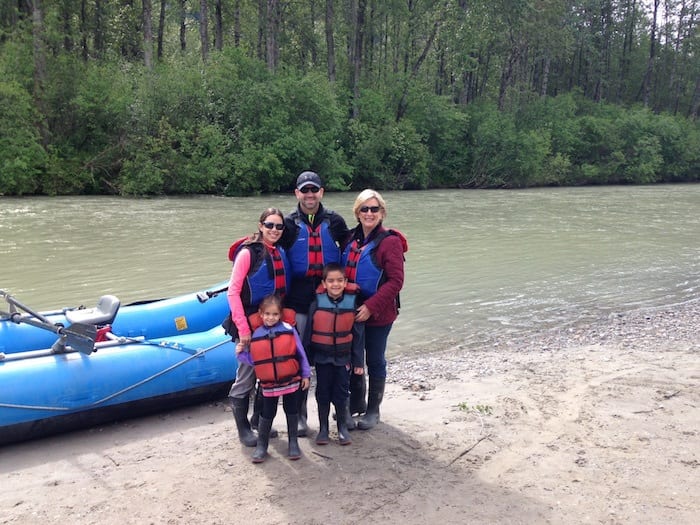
(506, 94)
(22, 159)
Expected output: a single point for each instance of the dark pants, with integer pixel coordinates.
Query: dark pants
(375, 350)
(290, 403)
(332, 384)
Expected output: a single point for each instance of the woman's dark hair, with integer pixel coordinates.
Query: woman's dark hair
(271, 211)
(257, 236)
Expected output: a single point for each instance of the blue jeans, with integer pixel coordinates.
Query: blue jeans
(375, 350)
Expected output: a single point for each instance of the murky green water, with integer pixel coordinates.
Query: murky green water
(479, 262)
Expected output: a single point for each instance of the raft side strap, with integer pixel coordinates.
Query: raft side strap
(30, 354)
(198, 353)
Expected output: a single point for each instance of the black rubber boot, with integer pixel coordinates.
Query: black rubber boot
(349, 421)
(376, 394)
(323, 411)
(303, 428)
(343, 434)
(257, 410)
(239, 407)
(293, 451)
(358, 391)
(260, 452)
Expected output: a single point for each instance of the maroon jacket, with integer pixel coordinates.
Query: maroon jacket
(389, 256)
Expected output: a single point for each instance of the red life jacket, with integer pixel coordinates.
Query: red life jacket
(315, 253)
(274, 356)
(332, 322)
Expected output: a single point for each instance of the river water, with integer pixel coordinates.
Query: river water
(480, 262)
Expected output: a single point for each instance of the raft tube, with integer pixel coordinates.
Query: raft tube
(151, 319)
(44, 393)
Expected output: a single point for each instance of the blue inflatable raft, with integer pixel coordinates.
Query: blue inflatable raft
(189, 313)
(81, 367)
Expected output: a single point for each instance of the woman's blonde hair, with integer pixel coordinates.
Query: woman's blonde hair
(366, 195)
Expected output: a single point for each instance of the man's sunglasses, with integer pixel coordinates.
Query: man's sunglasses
(312, 189)
(373, 209)
(277, 226)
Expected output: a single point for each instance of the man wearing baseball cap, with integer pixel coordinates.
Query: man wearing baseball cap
(312, 238)
(308, 177)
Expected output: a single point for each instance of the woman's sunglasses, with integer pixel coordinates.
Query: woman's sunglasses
(373, 209)
(312, 189)
(276, 225)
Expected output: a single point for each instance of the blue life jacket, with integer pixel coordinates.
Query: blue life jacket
(312, 249)
(361, 265)
(267, 275)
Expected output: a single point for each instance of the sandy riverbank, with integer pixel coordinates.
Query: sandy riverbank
(596, 424)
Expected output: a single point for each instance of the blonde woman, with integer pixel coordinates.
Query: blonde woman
(374, 259)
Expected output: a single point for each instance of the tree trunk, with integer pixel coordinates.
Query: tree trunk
(695, 104)
(646, 83)
(66, 17)
(218, 27)
(674, 81)
(311, 32)
(147, 34)
(603, 68)
(84, 50)
(272, 34)
(131, 32)
(330, 41)
(627, 46)
(507, 75)
(183, 26)
(204, 28)
(39, 51)
(99, 41)
(401, 110)
(356, 57)
(237, 23)
(262, 27)
(161, 29)
(545, 74)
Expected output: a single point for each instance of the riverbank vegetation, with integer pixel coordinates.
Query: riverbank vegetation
(235, 97)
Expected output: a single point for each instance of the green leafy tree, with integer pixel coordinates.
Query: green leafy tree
(22, 158)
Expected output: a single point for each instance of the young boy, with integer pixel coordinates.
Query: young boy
(335, 343)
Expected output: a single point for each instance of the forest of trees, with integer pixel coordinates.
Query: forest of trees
(235, 97)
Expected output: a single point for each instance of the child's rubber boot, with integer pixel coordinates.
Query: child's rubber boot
(303, 427)
(358, 393)
(343, 433)
(264, 427)
(323, 411)
(257, 410)
(293, 452)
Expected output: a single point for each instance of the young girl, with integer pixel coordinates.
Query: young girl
(281, 365)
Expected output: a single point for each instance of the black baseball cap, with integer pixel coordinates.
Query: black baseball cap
(309, 178)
